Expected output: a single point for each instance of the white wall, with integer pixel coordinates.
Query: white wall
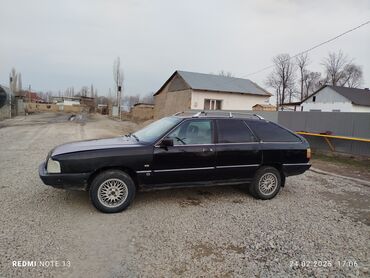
(71, 102)
(230, 101)
(358, 108)
(328, 100)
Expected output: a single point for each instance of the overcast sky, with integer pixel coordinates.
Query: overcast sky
(59, 44)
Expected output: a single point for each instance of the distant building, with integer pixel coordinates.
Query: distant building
(66, 101)
(103, 109)
(190, 90)
(290, 106)
(142, 111)
(28, 96)
(337, 99)
(264, 107)
(87, 103)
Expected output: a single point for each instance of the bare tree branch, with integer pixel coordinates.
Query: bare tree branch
(302, 62)
(282, 78)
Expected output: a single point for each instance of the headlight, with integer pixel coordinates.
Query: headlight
(53, 166)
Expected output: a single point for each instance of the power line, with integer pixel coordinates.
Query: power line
(313, 47)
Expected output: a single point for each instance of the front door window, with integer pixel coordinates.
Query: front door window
(192, 133)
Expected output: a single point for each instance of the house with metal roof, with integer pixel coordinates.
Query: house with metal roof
(337, 99)
(191, 90)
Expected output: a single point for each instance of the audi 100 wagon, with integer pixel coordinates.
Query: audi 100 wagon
(186, 149)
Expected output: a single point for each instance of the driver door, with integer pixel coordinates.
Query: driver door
(192, 158)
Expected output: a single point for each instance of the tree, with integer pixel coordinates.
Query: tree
(275, 83)
(225, 73)
(148, 98)
(341, 71)
(118, 80)
(92, 90)
(84, 91)
(19, 85)
(334, 66)
(312, 82)
(282, 78)
(352, 76)
(13, 80)
(302, 62)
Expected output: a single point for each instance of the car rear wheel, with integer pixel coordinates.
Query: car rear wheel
(112, 191)
(266, 183)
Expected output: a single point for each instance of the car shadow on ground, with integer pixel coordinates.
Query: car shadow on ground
(183, 197)
(192, 196)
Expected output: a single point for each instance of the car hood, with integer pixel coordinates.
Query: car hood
(87, 145)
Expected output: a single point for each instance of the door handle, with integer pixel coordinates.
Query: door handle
(207, 150)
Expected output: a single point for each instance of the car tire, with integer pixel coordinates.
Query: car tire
(266, 183)
(112, 191)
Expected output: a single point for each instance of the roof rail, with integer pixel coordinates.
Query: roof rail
(249, 114)
(219, 113)
(198, 114)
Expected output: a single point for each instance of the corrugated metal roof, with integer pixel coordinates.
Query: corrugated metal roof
(211, 82)
(356, 96)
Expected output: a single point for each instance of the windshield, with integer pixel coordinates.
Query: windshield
(156, 129)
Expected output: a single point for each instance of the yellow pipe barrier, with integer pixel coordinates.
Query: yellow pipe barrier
(334, 136)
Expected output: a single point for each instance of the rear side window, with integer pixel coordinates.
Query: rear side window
(233, 131)
(270, 132)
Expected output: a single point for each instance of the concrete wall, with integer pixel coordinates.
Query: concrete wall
(328, 100)
(142, 113)
(230, 101)
(44, 107)
(20, 107)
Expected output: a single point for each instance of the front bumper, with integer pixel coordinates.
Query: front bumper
(295, 168)
(65, 181)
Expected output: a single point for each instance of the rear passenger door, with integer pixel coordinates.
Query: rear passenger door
(279, 145)
(238, 154)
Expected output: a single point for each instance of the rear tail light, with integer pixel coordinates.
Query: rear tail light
(309, 153)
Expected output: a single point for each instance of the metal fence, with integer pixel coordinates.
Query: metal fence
(337, 123)
(355, 125)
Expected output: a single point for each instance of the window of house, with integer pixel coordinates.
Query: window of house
(233, 131)
(192, 132)
(314, 98)
(336, 110)
(212, 104)
(271, 132)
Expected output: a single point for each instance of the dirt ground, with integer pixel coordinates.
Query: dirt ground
(346, 166)
(318, 225)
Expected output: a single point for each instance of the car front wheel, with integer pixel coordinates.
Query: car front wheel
(112, 191)
(266, 183)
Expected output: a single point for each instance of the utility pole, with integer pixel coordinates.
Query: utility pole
(10, 96)
(29, 93)
(119, 101)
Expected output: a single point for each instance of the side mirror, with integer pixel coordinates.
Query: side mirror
(167, 142)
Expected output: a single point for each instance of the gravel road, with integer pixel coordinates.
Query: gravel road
(318, 225)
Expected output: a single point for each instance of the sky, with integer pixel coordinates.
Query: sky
(60, 44)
